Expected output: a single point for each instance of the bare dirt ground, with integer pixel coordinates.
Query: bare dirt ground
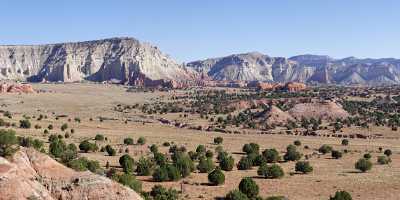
(95, 100)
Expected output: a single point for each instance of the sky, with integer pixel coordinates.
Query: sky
(190, 30)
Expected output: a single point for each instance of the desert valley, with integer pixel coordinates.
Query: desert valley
(118, 119)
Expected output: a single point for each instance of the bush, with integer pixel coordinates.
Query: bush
(158, 192)
(82, 164)
(271, 155)
(216, 177)
(144, 167)
(25, 123)
(388, 152)
(297, 143)
(383, 160)
(69, 154)
(341, 195)
(249, 187)
(304, 167)
(367, 156)
(205, 165)
(166, 144)
(345, 142)
(99, 137)
(258, 160)
(209, 154)
(201, 149)
(50, 127)
(141, 141)
(363, 165)
(276, 198)
(166, 173)
(270, 171)
(111, 151)
(160, 158)
(336, 154)
(251, 148)
(218, 140)
(221, 155)
(153, 148)
(245, 163)
(292, 154)
(236, 195)
(126, 163)
(130, 181)
(227, 163)
(324, 149)
(183, 163)
(86, 146)
(8, 143)
(64, 127)
(57, 148)
(128, 141)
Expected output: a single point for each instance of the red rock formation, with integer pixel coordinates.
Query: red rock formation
(294, 87)
(16, 88)
(34, 175)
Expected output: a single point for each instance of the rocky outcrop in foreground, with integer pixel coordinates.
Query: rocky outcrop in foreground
(33, 175)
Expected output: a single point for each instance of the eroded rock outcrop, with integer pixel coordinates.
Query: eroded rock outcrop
(31, 174)
(16, 88)
(318, 110)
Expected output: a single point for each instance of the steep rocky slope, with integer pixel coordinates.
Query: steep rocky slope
(122, 60)
(32, 175)
(302, 68)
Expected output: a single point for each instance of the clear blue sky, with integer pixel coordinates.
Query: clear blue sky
(196, 29)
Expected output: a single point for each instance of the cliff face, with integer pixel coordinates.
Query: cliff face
(304, 68)
(122, 60)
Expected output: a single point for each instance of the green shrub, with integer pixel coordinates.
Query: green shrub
(258, 160)
(245, 163)
(251, 148)
(166, 173)
(50, 127)
(130, 181)
(57, 148)
(128, 141)
(205, 165)
(271, 155)
(64, 127)
(183, 163)
(201, 149)
(388, 152)
(160, 158)
(324, 149)
(153, 148)
(111, 151)
(303, 167)
(336, 154)
(209, 154)
(221, 155)
(144, 167)
(158, 192)
(126, 163)
(25, 123)
(249, 187)
(276, 198)
(227, 163)
(218, 140)
(69, 154)
(236, 195)
(216, 177)
(83, 164)
(367, 156)
(363, 165)
(270, 171)
(99, 137)
(383, 160)
(8, 143)
(141, 141)
(292, 154)
(345, 142)
(297, 143)
(341, 195)
(86, 146)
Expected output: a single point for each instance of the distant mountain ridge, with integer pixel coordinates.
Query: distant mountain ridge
(128, 61)
(302, 68)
